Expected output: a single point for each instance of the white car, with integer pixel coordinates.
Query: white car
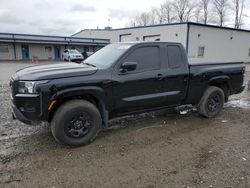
(72, 55)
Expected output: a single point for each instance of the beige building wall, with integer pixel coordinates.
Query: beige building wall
(220, 45)
(168, 33)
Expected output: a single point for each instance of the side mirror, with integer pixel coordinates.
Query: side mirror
(128, 66)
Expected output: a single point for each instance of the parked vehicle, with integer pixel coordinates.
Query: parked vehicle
(72, 55)
(87, 54)
(120, 79)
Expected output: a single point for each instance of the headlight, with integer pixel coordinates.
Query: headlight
(26, 87)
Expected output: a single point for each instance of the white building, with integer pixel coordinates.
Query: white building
(43, 47)
(204, 43)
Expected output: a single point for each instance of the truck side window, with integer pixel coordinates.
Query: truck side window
(147, 58)
(174, 56)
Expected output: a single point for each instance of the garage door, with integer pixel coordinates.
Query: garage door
(152, 38)
(125, 38)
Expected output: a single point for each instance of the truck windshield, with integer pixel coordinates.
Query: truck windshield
(105, 57)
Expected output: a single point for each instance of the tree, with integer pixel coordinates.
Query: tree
(131, 23)
(197, 14)
(204, 4)
(238, 9)
(220, 10)
(143, 19)
(183, 9)
(166, 10)
(154, 16)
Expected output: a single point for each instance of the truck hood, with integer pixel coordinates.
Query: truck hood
(61, 70)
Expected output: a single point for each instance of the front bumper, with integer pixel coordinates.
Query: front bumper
(17, 114)
(27, 108)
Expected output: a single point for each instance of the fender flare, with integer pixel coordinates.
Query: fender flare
(96, 92)
(219, 80)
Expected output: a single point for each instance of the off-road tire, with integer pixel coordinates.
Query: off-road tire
(63, 116)
(211, 102)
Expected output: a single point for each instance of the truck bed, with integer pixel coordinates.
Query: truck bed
(202, 75)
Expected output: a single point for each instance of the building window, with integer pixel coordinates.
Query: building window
(201, 51)
(151, 38)
(249, 52)
(48, 49)
(4, 49)
(125, 37)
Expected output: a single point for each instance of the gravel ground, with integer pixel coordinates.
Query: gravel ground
(160, 149)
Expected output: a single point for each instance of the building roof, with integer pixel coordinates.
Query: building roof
(169, 24)
(47, 39)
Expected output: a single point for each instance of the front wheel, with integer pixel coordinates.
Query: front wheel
(76, 123)
(212, 102)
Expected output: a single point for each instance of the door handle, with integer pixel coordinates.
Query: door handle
(159, 77)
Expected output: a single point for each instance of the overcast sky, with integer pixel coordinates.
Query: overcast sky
(65, 17)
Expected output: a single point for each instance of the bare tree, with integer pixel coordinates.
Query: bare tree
(220, 9)
(183, 9)
(155, 16)
(197, 14)
(131, 23)
(204, 4)
(238, 9)
(166, 10)
(143, 19)
(163, 14)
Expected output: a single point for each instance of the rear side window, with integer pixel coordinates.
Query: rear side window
(174, 56)
(147, 58)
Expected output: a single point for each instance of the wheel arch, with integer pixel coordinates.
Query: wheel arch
(93, 95)
(221, 82)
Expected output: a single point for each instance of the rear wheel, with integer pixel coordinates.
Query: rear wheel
(212, 102)
(76, 123)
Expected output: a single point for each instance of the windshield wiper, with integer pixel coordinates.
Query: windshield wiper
(89, 64)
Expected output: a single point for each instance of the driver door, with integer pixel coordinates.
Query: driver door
(138, 89)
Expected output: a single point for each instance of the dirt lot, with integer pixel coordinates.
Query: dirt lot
(160, 149)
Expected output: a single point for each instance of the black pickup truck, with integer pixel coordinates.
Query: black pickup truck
(120, 79)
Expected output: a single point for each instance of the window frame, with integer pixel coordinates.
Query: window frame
(48, 49)
(198, 53)
(148, 36)
(125, 34)
(168, 57)
(133, 49)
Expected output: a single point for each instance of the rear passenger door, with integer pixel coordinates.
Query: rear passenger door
(176, 74)
(138, 89)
